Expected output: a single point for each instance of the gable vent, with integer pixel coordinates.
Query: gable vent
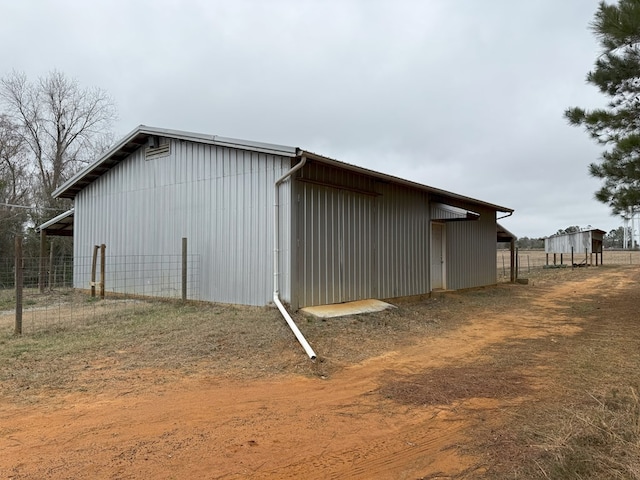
(151, 153)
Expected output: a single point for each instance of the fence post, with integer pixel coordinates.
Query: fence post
(517, 263)
(512, 263)
(43, 250)
(103, 262)
(572, 262)
(184, 269)
(94, 261)
(50, 281)
(19, 285)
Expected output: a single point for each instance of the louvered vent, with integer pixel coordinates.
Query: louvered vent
(163, 150)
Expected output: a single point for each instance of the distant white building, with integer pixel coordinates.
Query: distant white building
(586, 242)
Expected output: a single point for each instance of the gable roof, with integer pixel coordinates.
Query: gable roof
(140, 136)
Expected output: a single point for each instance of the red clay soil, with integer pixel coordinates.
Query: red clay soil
(148, 424)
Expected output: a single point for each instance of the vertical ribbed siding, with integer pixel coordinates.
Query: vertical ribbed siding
(403, 242)
(335, 224)
(470, 251)
(336, 242)
(221, 199)
(358, 238)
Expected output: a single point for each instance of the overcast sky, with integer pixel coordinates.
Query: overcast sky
(463, 95)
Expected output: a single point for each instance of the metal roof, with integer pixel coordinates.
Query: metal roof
(597, 230)
(61, 226)
(504, 235)
(140, 136)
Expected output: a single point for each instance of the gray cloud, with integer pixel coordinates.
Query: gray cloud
(458, 94)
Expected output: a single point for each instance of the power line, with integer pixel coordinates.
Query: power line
(27, 207)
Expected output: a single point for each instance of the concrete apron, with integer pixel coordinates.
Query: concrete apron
(348, 308)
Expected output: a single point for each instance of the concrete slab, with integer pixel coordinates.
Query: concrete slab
(347, 308)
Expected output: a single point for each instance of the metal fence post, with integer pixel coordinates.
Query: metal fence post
(19, 279)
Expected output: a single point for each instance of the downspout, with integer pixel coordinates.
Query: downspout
(276, 262)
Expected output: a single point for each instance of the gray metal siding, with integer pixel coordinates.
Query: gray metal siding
(470, 251)
(220, 198)
(336, 246)
(580, 242)
(403, 242)
(361, 238)
(358, 238)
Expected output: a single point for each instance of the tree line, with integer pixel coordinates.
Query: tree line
(50, 128)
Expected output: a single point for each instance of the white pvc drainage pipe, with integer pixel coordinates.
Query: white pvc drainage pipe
(276, 261)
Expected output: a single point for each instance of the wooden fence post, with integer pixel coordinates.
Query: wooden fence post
(103, 263)
(19, 280)
(94, 261)
(512, 260)
(572, 262)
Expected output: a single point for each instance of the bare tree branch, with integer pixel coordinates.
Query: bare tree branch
(59, 121)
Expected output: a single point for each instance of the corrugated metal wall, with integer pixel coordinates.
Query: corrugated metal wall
(335, 224)
(581, 242)
(355, 236)
(358, 238)
(221, 199)
(361, 238)
(403, 239)
(470, 250)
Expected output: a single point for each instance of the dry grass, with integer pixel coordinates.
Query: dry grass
(585, 425)
(447, 385)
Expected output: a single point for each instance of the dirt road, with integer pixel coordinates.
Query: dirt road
(413, 413)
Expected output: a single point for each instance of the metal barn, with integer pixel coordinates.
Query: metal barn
(585, 242)
(270, 222)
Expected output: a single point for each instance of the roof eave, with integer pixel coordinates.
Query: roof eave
(138, 137)
(402, 181)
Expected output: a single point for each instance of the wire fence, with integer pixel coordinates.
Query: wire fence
(67, 292)
(532, 260)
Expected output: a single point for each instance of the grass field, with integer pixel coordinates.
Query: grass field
(536, 259)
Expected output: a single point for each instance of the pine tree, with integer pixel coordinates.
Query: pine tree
(617, 75)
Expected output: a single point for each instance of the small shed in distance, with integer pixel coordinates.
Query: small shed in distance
(585, 242)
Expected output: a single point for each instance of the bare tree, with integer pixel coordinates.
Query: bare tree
(14, 187)
(14, 178)
(63, 125)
